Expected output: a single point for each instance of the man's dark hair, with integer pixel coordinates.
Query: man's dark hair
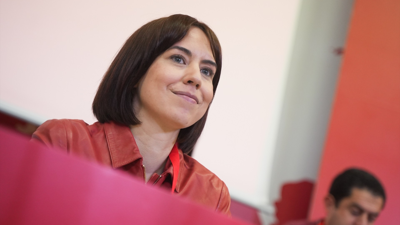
(344, 183)
(114, 97)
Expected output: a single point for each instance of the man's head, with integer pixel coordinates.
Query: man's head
(355, 197)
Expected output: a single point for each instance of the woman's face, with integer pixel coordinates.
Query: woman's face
(177, 88)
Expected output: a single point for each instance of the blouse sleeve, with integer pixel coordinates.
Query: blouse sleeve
(224, 202)
(52, 133)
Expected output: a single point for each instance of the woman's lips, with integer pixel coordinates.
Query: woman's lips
(187, 94)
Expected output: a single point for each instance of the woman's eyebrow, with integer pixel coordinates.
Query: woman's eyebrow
(189, 53)
(209, 62)
(185, 50)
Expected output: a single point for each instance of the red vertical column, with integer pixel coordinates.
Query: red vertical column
(365, 124)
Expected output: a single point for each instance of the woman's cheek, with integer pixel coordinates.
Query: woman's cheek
(209, 94)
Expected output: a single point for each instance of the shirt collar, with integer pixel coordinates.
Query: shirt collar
(124, 150)
(121, 144)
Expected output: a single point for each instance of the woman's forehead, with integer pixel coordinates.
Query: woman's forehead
(196, 42)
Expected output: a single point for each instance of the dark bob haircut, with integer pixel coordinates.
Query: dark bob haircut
(114, 97)
(344, 183)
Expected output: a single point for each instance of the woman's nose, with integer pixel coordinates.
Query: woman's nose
(192, 76)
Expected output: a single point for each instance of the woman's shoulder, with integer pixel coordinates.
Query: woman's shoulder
(61, 122)
(192, 167)
(196, 176)
(58, 132)
(55, 125)
(76, 137)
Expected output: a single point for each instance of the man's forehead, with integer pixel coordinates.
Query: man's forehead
(364, 199)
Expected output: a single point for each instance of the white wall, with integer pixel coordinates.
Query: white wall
(53, 55)
(314, 66)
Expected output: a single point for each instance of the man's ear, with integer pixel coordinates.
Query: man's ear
(329, 202)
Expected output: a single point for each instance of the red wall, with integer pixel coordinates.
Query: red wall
(365, 124)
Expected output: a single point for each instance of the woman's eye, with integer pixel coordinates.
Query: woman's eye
(178, 59)
(207, 72)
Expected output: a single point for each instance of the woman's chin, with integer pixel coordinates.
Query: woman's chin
(182, 122)
(183, 125)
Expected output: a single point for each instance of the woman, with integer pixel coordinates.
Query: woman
(151, 107)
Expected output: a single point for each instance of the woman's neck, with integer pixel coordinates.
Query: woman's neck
(154, 145)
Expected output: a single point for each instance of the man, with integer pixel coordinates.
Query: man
(356, 197)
